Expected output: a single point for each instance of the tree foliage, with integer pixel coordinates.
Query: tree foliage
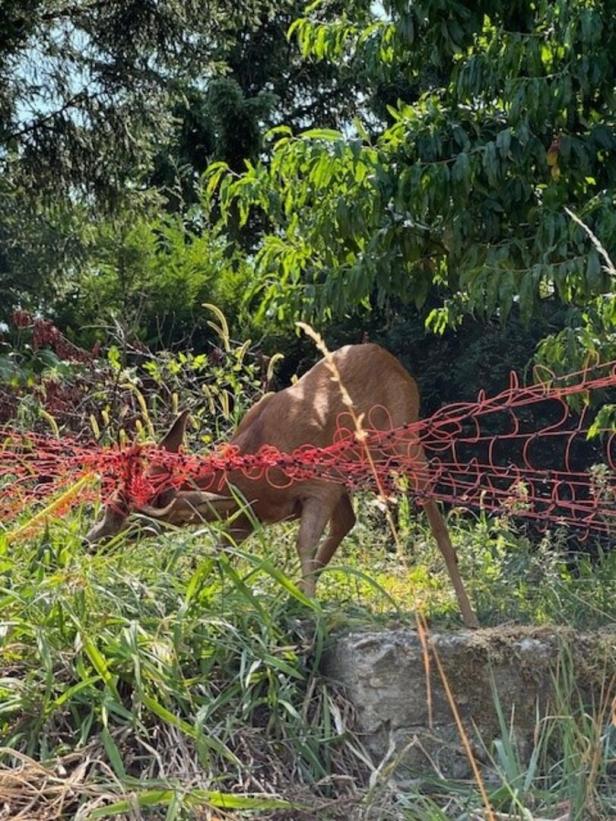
(151, 275)
(86, 89)
(459, 198)
(104, 105)
(266, 82)
(419, 162)
(86, 85)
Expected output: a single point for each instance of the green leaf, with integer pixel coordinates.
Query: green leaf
(527, 295)
(195, 798)
(361, 129)
(460, 172)
(406, 27)
(166, 715)
(594, 274)
(197, 579)
(327, 134)
(278, 130)
(503, 142)
(76, 688)
(213, 176)
(99, 663)
(113, 754)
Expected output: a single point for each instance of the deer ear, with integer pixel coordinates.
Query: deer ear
(175, 435)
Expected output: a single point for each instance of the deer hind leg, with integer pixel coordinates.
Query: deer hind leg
(314, 517)
(341, 522)
(439, 530)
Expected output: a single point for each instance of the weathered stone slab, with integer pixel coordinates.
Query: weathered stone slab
(383, 675)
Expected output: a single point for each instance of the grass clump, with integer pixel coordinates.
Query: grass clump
(167, 662)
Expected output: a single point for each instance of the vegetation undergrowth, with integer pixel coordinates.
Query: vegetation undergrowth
(161, 674)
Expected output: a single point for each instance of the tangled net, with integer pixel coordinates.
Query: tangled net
(489, 454)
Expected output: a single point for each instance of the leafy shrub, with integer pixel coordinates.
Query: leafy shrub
(150, 275)
(128, 390)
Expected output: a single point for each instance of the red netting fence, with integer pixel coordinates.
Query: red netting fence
(489, 454)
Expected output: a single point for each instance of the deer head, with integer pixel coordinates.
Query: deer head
(172, 506)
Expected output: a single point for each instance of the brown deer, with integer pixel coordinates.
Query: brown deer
(307, 412)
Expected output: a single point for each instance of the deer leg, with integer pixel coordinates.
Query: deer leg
(441, 534)
(314, 517)
(237, 531)
(420, 481)
(341, 522)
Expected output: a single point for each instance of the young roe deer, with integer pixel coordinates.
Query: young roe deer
(306, 413)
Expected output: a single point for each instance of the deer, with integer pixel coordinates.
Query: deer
(366, 378)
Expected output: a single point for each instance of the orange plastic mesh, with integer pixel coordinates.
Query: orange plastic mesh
(489, 454)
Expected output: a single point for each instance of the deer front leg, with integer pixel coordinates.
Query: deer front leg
(420, 479)
(341, 522)
(314, 517)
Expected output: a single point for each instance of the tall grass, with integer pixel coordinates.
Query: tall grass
(172, 664)
(162, 675)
